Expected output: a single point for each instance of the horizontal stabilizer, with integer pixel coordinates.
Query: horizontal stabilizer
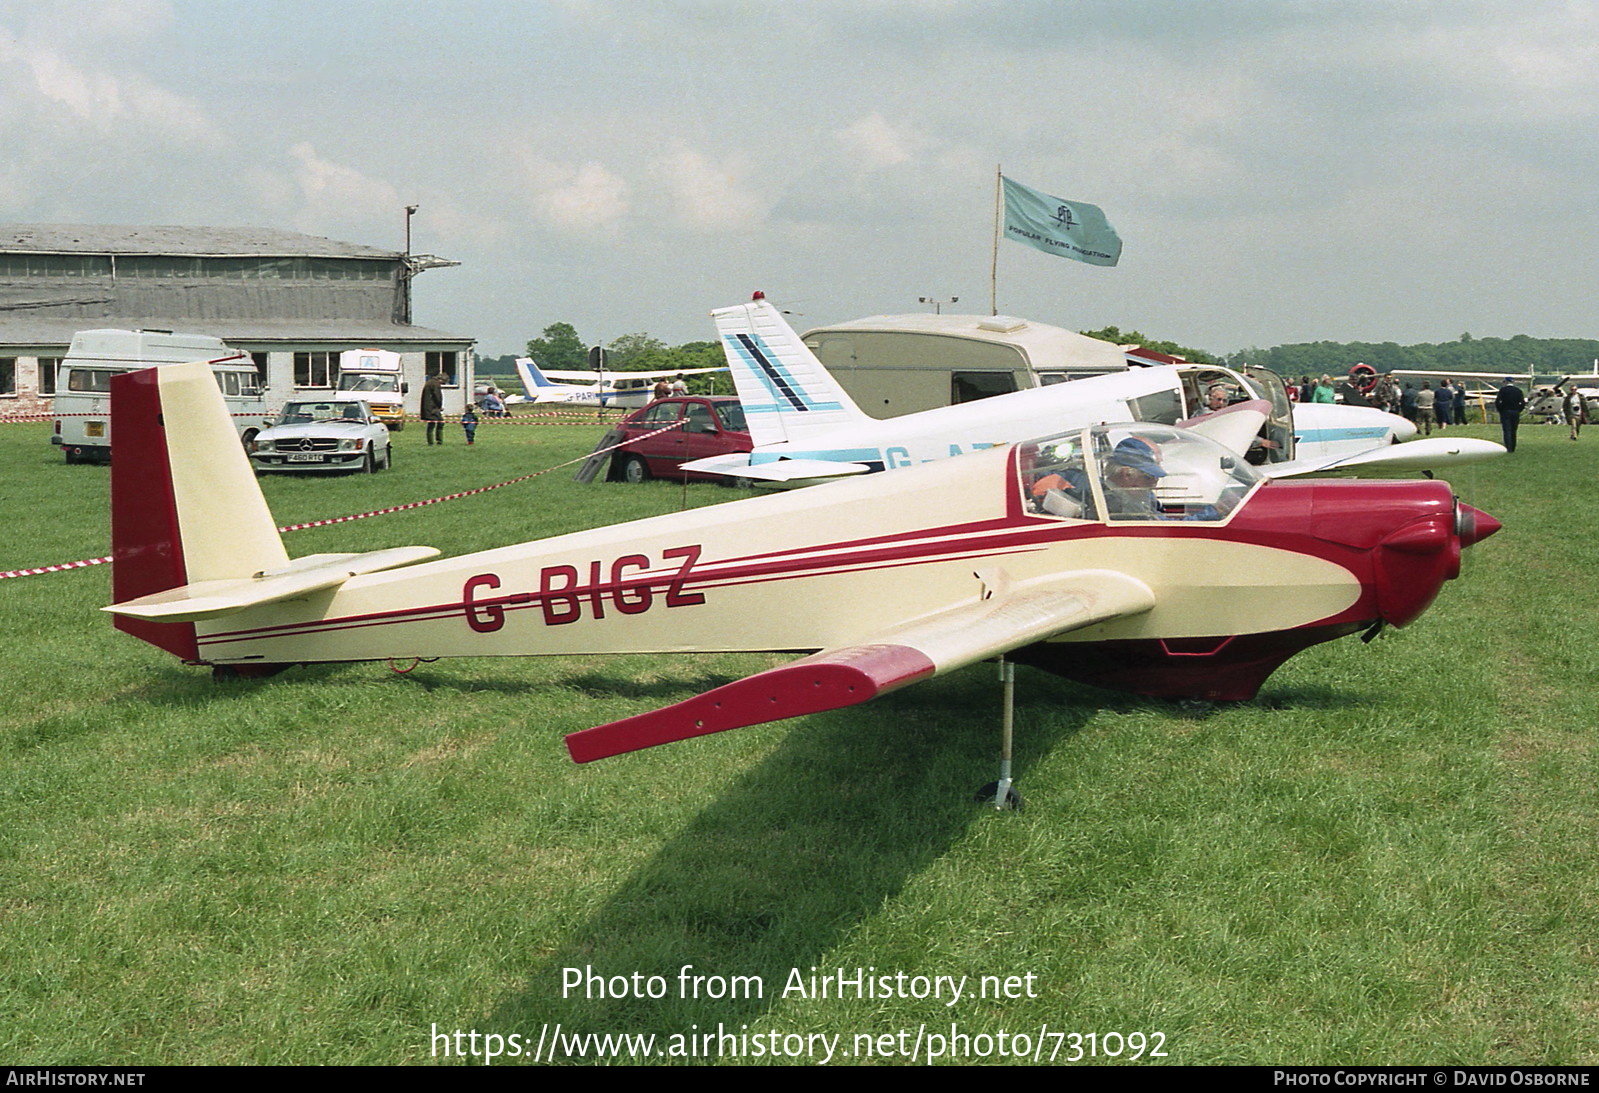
(782, 470)
(313, 573)
(1427, 454)
(1001, 620)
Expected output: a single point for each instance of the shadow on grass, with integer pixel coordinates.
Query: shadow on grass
(803, 849)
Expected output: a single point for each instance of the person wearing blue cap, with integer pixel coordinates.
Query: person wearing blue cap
(1509, 403)
(1130, 476)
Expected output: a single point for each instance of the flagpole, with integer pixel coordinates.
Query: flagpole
(993, 269)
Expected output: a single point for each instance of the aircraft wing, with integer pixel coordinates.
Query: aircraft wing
(1429, 453)
(1002, 619)
(616, 374)
(1235, 427)
(781, 470)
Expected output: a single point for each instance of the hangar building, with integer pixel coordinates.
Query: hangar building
(294, 302)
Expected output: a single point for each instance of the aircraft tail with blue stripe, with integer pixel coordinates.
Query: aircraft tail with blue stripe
(787, 395)
(532, 378)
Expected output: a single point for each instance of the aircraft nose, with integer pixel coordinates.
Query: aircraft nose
(1474, 525)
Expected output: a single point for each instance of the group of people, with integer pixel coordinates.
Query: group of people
(492, 404)
(665, 390)
(1309, 390)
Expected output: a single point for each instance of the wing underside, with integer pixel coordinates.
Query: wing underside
(1427, 454)
(1002, 619)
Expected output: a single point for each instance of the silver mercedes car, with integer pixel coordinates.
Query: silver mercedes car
(323, 435)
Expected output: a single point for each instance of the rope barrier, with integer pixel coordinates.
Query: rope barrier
(84, 563)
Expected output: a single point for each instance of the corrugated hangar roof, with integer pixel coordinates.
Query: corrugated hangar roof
(172, 240)
(36, 330)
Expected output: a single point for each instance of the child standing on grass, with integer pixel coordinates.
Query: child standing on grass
(469, 424)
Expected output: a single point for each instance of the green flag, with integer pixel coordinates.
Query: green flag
(1071, 229)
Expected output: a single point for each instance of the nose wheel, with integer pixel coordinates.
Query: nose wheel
(1002, 795)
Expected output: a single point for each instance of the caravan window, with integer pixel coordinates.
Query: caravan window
(971, 386)
(89, 379)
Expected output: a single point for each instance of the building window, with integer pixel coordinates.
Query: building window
(47, 374)
(315, 369)
(8, 375)
(442, 362)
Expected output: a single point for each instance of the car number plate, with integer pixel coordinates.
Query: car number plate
(304, 457)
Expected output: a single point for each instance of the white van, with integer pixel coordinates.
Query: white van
(374, 375)
(83, 383)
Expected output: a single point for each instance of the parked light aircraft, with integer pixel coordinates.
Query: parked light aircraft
(629, 390)
(806, 427)
(1139, 556)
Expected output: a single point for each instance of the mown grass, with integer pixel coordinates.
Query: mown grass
(1389, 857)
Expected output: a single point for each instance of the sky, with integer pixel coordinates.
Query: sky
(1278, 170)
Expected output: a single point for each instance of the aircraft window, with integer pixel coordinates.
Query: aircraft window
(1161, 407)
(1154, 473)
(1055, 478)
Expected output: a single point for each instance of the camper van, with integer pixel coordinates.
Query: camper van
(374, 376)
(902, 364)
(83, 383)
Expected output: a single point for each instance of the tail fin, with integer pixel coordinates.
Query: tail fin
(185, 506)
(787, 394)
(532, 378)
(191, 536)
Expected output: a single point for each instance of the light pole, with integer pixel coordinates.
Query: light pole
(405, 265)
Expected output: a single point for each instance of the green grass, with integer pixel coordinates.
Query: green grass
(1390, 857)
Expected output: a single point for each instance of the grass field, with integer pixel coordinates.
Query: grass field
(1392, 856)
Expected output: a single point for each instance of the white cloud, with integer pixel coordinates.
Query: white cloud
(43, 81)
(329, 190)
(708, 196)
(871, 143)
(583, 199)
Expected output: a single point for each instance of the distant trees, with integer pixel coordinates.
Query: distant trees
(1518, 354)
(1117, 336)
(559, 347)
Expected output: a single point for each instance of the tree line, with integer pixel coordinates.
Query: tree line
(1518, 355)
(560, 347)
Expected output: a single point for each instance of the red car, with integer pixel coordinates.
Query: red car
(709, 425)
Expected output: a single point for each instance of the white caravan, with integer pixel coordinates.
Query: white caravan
(805, 426)
(83, 383)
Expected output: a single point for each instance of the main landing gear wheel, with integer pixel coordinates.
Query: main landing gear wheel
(989, 795)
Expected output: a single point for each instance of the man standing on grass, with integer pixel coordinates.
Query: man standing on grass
(1509, 402)
(433, 408)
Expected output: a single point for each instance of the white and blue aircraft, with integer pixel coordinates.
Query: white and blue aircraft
(629, 390)
(805, 427)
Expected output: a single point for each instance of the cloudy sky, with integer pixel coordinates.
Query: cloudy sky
(1278, 170)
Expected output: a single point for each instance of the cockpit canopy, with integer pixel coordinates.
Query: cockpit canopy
(1132, 472)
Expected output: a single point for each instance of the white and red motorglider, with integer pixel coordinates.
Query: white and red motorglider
(1139, 557)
